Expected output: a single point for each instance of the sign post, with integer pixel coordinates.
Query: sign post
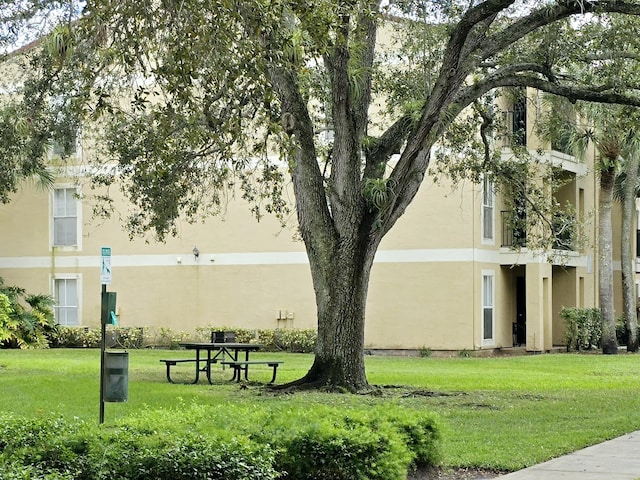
(105, 266)
(105, 279)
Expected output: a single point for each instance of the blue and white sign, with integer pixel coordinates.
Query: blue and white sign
(105, 266)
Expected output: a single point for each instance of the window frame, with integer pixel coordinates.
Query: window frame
(488, 304)
(77, 246)
(78, 300)
(488, 212)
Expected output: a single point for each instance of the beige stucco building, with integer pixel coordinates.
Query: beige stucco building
(445, 278)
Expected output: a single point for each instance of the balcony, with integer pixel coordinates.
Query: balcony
(564, 229)
(515, 123)
(514, 234)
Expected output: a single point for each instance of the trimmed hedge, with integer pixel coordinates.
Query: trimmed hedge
(289, 340)
(223, 442)
(330, 444)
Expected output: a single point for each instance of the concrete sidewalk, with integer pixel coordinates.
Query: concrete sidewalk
(617, 459)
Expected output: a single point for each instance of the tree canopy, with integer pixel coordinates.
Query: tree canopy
(191, 97)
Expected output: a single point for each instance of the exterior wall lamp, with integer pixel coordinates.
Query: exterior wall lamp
(196, 252)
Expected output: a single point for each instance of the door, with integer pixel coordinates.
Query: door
(520, 334)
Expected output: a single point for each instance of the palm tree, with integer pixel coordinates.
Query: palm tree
(613, 140)
(609, 149)
(626, 190)
(22, 326)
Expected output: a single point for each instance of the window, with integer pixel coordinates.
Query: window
(65, 148)
(65, 139)
(519, 122)
(65, 294)
(487, 307)
(564, 122)
(515, 121)
(65, 217)
(487, 210)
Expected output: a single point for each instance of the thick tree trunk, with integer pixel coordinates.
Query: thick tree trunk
(340, 245)
(339, 360)
(341, 286)
(628, 257)
(605, 271)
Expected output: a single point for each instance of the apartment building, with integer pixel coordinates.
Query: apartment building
(451, 275)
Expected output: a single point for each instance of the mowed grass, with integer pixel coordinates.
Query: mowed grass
(500, 413)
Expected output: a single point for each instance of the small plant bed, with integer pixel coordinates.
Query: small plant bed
(438, 473)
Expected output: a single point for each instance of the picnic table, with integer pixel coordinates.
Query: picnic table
(228, 354)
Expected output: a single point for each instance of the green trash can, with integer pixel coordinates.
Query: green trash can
(116, 376)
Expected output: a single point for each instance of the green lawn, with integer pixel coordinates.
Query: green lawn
(499, 413)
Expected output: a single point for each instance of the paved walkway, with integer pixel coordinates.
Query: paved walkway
(617, 459)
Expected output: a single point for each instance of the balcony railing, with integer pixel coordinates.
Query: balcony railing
(514, 232)
(563, 233)
(512, 236)
(515, 124)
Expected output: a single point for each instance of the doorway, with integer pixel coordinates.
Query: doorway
(520, 326)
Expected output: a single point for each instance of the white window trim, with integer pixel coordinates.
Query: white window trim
(69, 276)
(66, 248)
(488, 342)
(486, 240)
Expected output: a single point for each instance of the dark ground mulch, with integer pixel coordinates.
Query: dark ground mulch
(452, 474)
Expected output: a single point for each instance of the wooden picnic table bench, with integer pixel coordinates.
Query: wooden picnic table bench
(226, 354)
(243, 366)
(174, 361)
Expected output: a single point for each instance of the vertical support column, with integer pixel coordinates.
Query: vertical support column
(547, 312)
(539, 319)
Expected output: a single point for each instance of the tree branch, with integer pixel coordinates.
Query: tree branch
(366, 32)
(383, 147)
(611, 55)
(547, 15)
(598, 94)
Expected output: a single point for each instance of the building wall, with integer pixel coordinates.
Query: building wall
(255, 275)
(426, 286)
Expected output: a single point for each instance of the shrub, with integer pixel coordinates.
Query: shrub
(290, 339)
(583, 328)
(164, 337)
(223, 442)
(326, 443)
(17, 432)
(25, 319)
(425, 352)
(128, 454)
(301, 341)
(621, 331)
(293, 340)
(73, 337)
(69, 450)
(125, 337)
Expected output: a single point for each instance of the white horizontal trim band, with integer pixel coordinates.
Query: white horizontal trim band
(279, 258)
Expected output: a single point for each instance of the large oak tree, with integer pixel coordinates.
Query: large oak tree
(190, 96)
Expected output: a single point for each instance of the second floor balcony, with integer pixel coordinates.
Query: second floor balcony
(514, 235)
(514, 231)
